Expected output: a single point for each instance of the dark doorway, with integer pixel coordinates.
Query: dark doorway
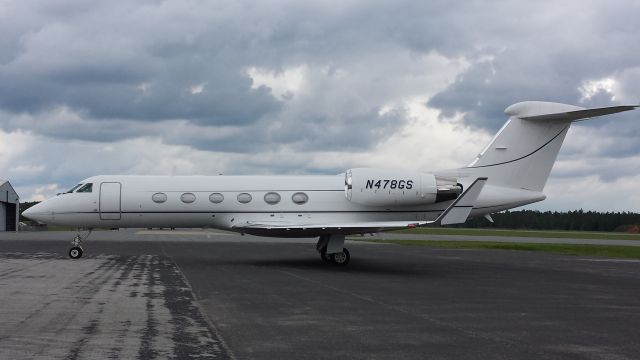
(11, 217)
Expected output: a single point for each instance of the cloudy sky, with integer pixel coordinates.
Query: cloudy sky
(247, 87)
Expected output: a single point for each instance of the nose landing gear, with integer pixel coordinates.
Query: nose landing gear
(76, 251)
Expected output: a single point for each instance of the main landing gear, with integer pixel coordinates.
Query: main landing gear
(76, 251)
(332, 250)
(339, 258)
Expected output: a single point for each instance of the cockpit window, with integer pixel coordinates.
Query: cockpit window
(86, 188)
(73, 188)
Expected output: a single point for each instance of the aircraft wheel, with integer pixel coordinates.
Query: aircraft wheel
(75, 252)
(341, 258)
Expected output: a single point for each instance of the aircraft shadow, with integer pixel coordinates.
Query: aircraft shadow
(355, 266)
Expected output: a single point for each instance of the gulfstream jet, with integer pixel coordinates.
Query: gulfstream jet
(510, 171)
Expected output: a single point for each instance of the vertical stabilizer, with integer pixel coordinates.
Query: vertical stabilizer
(523, 152)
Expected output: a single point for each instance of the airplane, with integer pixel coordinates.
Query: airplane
(511, 171)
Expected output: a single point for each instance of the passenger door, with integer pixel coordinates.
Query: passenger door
(110, 203)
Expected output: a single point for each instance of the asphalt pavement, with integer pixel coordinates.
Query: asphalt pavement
(203, 294)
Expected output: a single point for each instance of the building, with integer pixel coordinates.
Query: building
(9, 207)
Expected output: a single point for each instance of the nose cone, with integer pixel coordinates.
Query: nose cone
(39, 213)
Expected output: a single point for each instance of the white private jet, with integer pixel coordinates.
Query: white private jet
(511, 171)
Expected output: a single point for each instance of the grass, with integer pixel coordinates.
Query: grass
(523, 233)
(610, 251)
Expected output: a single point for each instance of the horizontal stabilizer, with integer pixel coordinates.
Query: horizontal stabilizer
(538, 110)
(581, 114)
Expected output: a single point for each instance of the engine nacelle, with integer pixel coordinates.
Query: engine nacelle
(388, 187)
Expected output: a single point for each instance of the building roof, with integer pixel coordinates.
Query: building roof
(7, 185)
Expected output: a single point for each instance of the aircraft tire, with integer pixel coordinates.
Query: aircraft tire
(341, 258)
(75, 252)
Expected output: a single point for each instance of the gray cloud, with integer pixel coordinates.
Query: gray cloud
(177, 71)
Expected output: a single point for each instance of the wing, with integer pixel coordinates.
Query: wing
(456, 213)
(266, 225)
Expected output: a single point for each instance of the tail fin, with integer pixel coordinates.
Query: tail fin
(522, 153)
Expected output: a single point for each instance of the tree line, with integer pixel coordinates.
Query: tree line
(24, 206)
(577, 220)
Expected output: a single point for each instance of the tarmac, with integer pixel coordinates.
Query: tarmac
(507, 239)
(208, 295)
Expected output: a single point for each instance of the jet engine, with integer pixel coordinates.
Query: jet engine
(388, 187)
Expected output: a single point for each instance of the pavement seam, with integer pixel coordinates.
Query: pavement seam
(196, 303)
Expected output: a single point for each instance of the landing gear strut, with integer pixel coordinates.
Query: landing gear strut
(332, 250)
(76, 251)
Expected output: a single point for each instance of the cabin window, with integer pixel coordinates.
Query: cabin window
(300, 198)
(188, 198)
(73, 188)
(216, 198)
(159, 197)
(244, 198)
(86, 188)
(272, 198)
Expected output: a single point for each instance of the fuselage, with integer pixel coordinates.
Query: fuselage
(509, 172)
(224, 202)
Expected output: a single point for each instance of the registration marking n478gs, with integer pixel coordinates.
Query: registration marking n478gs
(389, 184)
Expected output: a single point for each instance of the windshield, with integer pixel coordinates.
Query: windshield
(73, 189)
(87, 188)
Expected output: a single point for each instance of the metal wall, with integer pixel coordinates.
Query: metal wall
(9, 207)
(3, 216)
